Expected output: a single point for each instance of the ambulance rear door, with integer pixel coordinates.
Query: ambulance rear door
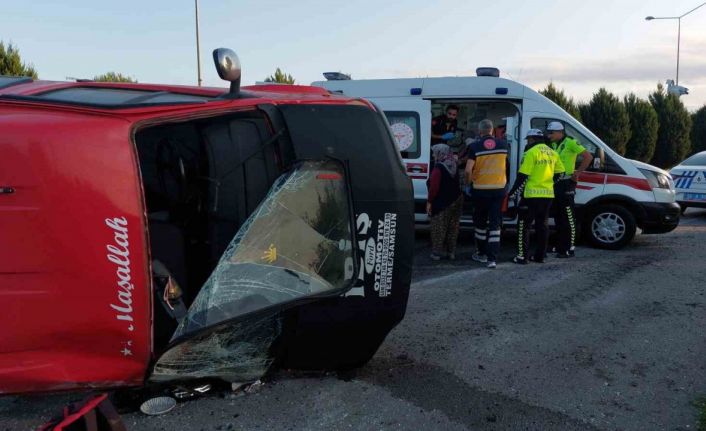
(410, 122)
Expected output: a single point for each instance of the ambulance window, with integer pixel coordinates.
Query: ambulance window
(405, 128)
(541, 123)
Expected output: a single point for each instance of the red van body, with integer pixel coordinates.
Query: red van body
(75, 273)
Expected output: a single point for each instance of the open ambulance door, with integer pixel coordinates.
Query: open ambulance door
(410, 122)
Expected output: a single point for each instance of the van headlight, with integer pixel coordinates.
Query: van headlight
(657, 180)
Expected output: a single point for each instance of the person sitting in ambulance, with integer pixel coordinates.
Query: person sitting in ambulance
(443, 127)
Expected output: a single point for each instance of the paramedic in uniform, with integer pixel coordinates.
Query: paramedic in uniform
(535, 186)
(486, 171)
(565, 188)
(443, 127)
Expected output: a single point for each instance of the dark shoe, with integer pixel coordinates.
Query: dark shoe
(564, 255)
(435, 256)
(536, 259)
(451, 256)
(479, 257)
(519, 260)
(491, 264)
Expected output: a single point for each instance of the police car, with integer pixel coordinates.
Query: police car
(690, 181)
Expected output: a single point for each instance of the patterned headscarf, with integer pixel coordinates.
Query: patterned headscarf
(443, 156)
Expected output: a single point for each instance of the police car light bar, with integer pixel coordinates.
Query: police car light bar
(336, 76)
(488, 71)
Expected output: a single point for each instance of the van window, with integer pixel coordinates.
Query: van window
(541, 123)
(405, 128)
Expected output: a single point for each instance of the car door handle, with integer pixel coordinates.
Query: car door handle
(6, 190)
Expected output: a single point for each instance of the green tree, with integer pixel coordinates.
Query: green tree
(698, 130)
(280, 77)
(113, 77)
(11, 64)
(560, 98)
(673, 142)
(606, 116)
(644, 127)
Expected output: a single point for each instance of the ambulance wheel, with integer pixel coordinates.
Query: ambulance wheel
(610, 227)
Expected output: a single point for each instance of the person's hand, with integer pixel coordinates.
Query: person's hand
(575, 176)
(448, 136)
(429, 209)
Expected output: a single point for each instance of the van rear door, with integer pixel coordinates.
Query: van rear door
(410, 121)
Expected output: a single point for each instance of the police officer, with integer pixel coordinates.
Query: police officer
(535, 186)
(443, 127)
(486, 171)
(565, 187)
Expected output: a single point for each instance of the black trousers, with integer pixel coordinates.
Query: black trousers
(487, 218)
(533, 210)
(565, 219)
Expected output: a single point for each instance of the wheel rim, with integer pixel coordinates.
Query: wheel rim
(608, 228)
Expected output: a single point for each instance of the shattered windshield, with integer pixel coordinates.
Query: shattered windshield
(297, 243)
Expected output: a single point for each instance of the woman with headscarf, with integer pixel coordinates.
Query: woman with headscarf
(444, 203)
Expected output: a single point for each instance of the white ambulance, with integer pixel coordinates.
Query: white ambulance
(614, 198)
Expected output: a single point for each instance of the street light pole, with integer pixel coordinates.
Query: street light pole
(198, 45)
(678, 18)
(678, 45)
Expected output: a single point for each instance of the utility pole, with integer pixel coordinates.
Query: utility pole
(198, 45)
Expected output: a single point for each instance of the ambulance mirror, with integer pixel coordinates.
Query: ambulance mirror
(597, 163)
(228, 68)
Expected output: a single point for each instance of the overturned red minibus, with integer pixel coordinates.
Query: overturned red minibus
(154, 233)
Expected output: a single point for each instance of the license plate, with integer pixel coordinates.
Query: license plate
(695, 196)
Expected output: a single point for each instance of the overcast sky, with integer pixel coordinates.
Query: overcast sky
(581, 46)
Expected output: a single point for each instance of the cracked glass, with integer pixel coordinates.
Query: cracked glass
(296, 244)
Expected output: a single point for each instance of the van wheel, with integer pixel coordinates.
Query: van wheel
(610, 227)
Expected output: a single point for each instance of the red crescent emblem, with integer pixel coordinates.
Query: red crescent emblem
(489, 144)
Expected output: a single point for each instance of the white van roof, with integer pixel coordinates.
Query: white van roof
(459, 87)
(437, 87)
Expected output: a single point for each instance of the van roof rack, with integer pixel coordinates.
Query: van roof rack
(110, 97)
(9, 81)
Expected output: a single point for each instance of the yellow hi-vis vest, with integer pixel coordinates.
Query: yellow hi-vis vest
(540, 163)
(490, 167)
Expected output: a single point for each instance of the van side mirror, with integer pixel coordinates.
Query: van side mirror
(228, 68)
(596, 163)
(599, 160)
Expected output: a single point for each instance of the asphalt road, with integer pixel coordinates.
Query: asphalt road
(608, 340)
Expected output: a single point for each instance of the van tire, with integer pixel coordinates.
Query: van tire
(610, 227)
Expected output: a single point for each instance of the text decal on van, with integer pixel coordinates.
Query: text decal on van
(377, 254)
(119, 254)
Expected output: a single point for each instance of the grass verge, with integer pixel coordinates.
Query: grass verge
(700, 404)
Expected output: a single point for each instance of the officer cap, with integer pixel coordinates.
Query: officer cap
(534, 133)
(554, 126)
